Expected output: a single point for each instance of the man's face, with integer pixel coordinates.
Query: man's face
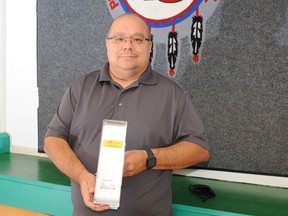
(127, 46)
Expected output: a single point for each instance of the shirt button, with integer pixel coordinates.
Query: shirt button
(120, 104)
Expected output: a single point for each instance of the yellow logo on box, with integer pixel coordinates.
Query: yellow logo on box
(113, 143)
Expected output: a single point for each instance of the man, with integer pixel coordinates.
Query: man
(161, 121)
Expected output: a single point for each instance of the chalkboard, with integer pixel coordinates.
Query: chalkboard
(239, 86)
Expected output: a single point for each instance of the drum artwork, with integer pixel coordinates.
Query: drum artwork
(169, 21)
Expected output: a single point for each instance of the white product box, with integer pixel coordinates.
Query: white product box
(110, 163)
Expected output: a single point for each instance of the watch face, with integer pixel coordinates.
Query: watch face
(151, 162)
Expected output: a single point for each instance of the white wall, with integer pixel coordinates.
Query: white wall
(21, 74)
(2, 66)
(22, 92)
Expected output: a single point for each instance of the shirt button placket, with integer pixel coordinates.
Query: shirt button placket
(118, 106)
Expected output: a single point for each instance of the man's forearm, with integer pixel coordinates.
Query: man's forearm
(180, 155)
(64, 158)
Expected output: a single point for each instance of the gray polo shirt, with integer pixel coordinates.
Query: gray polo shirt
(158, 113)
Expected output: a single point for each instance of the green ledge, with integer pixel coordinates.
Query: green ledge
(34, 183)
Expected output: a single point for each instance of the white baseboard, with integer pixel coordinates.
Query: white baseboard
(273, 181)
(26, 151)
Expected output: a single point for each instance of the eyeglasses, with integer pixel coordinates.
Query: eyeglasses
(121, 39)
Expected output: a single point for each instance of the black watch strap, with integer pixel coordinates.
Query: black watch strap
(151, 160)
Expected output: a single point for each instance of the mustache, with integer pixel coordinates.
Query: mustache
(128, 53)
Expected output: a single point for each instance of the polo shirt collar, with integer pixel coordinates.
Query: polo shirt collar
(149, 77)
(104, 73)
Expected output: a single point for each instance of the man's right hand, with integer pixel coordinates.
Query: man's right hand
(87, 185)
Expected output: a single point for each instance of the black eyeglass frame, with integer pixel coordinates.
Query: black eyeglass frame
(112, 37)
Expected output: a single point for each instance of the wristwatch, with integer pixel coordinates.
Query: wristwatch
(151, 160)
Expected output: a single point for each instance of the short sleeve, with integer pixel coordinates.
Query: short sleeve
(61, 122)
(190, 127)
